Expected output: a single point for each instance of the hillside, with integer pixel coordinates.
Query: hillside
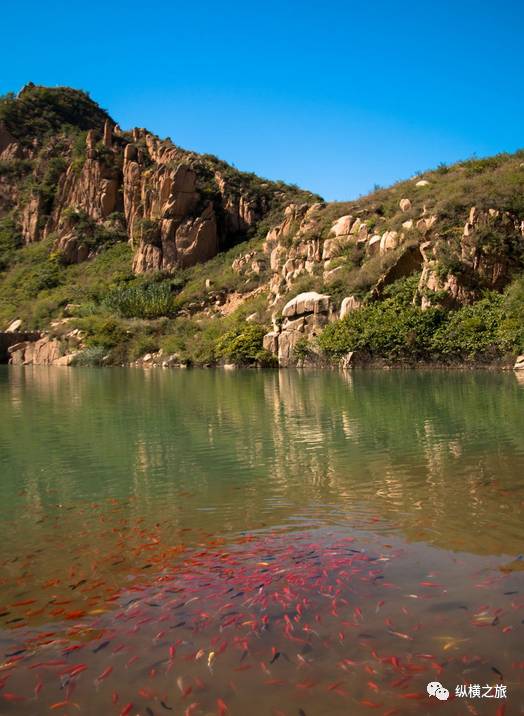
(123, 247)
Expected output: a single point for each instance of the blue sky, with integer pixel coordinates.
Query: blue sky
(334, 96)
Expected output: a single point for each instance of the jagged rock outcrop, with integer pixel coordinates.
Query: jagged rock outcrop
(288, 262)
(177, 208)
(46, 351)
(406, 263)
(304, 317)
(31, 216)
(95, 190)
(95, 185)
(489, 251)
(249, 264)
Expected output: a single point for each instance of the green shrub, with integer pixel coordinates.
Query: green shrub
(92, 356)
(10, 240)
(15, 168)
(301, 350)
(102, 330)
(484, 329)
(142, 301)
(243, 345)
(147, 231)
(393, 329)
(141, 345)
(396, 330)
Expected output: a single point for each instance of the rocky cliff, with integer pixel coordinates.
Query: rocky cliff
(70, 173)
(124, 247)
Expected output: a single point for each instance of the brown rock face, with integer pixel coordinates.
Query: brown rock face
(488, 253)
(165, 203)
(177, 208)
(196, 240)
(41, 352)
(173, 242)
(239, 211)
(31, 219)
(94, 191)
(72, 249)
(409, 261)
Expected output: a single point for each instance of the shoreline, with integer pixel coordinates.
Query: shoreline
(376, 366)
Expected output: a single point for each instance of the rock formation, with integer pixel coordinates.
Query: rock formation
(304, 316)
(176, 207)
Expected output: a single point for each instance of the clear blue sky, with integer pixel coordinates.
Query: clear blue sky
(334, 96)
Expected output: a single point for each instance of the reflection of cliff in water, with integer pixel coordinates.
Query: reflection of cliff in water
(439, 454)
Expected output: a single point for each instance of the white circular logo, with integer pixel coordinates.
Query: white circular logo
(435, 688)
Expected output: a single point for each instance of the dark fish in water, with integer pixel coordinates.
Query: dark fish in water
(13, 621)
(4, 614)
(499, 673)
(75, 586)
(101, 646)
(177, 625)
(166, 706)
(149, 711)
(275, 657)
(301, 712)
(131, 601)
(506, 593)
(15, 653)
(495, 621)
(146, 566)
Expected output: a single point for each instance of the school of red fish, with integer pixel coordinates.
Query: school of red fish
(136, 619)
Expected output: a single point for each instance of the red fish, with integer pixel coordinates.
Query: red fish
(105, 673)
(222, 707)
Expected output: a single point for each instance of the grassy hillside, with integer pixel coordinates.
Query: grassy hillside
(125, 316)
(199, 313)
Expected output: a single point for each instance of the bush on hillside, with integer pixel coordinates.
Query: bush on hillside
(243, 345)
(41, 111)
(396, 330)
(149, 301)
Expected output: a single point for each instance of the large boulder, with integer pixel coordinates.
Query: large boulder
(309, 302)
(342, 226)
(304, 317)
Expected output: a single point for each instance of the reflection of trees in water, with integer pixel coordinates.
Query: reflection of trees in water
(438, 451)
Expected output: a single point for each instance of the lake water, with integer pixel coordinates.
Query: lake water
(282, 543)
